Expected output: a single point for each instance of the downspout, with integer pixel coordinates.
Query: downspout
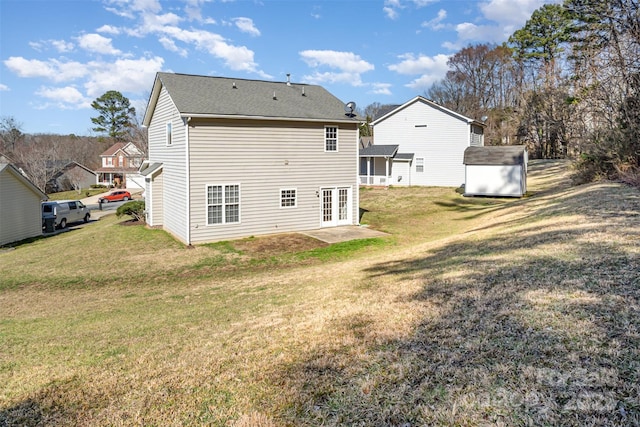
(188, 179)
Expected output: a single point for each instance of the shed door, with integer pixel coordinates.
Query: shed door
(335, 206)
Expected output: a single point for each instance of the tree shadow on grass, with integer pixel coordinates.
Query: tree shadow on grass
(537, 327)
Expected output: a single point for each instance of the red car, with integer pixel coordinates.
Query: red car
(115, 196)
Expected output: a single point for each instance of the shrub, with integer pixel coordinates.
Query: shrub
(98, 186)
(134, 208)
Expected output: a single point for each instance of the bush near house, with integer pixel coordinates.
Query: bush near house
(134, 208)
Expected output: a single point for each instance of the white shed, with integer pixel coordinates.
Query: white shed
(20, 206)
(496, 171)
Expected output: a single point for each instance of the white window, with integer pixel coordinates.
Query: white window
(223, 204)
(121, 160)
(330, 138)
(288, 198)
(419, 164)
(169, 134)
(109, 161)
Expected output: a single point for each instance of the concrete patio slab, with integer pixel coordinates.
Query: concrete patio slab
(344, 234)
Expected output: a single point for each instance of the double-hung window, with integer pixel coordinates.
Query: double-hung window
(330, 138)
(223, 204)
(288, 198)
(419, 164)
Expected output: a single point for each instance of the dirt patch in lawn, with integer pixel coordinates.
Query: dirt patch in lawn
(277, 245)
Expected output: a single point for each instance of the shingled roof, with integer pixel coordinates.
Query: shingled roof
(205, 96)
(379, 151)
(495, 155)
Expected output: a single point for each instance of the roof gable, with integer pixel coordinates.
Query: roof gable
(205, 96)
(10, 169)
(429, 103)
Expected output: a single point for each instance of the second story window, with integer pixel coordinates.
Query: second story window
(109, 161)
(121, 160)
(169, 134)
(330, 138)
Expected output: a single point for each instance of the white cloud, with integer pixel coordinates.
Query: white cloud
(170, 45)
(4, 88)
(59, 45)
(97, 43)
(381, 88)
(346, 61)
(246, 26)
(503, 18)
(53, 69)
(333, 77)
(109, 29)
(430, 69)
(436, 23)
(411, 64)
(349, 67)
(125, 75)
(62, 46)
(65, 97)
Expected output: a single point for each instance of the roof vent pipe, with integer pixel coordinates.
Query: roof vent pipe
(274, 95)
(234, 85)
(288, 79)
(303, 94)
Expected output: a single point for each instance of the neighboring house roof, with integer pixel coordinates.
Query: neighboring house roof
(379, 151)
(384, 110)
(432, 104)
(218, 97)
(495, 155)
(127, 148)
(6, 167)
(71, 165)
(403, 157)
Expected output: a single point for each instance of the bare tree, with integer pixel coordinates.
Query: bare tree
(10, 132)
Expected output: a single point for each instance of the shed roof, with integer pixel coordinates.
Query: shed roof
(206, 96)
(379, 151)
(495, 155)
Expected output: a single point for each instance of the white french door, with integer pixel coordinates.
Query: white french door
(335, 206)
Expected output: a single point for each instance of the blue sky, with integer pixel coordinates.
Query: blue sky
(58, 56)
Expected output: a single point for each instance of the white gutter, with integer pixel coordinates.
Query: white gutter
(284, 119)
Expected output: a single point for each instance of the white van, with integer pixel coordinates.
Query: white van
(64, 212)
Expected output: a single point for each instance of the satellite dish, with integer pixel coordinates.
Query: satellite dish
(349, 107)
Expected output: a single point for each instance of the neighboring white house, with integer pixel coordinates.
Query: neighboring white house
(231, 158)
(496, 171)
(20, 206)
(419, 143)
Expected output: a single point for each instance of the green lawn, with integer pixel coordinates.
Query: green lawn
(475, 311)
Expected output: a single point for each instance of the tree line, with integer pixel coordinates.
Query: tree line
(567, 84)
(40, 156)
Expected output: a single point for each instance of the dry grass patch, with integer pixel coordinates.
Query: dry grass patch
(526, 313)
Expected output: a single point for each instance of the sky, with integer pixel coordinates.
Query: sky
(57, 57)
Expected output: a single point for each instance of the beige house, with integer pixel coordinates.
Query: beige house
(20, 206)
(231, 158)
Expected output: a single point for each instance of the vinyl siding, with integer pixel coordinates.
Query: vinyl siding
(441, 143)
(20, 210)
(265, 157)
(173, 215)
(498, 180)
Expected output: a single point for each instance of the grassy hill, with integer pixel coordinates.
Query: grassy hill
(475, 311)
